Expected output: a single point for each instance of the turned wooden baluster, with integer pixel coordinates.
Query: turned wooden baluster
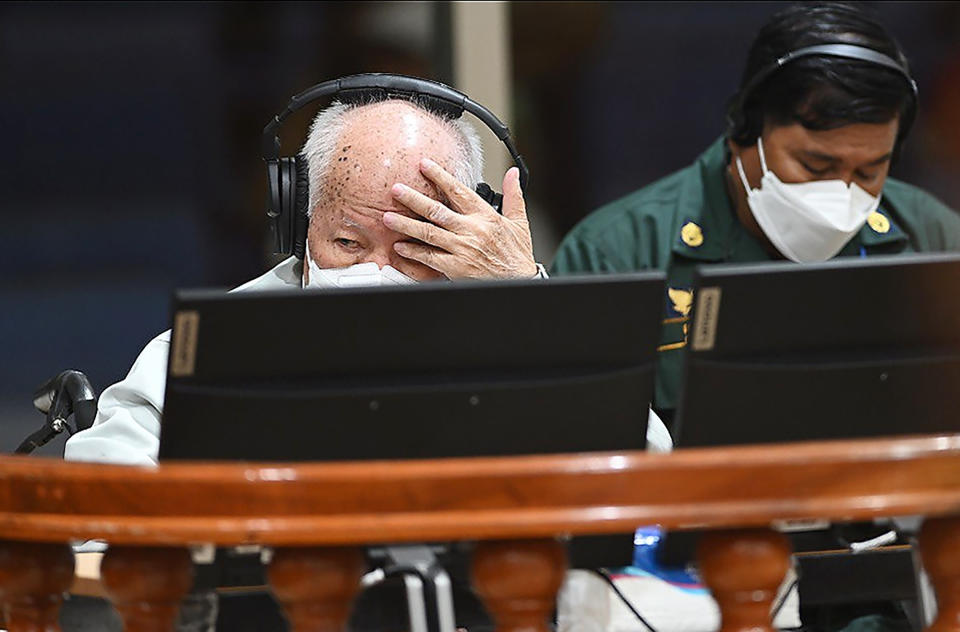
(316, 586)
(743, 570)
(146, 585)
(518, 581)
(940, 551)
(33, 579)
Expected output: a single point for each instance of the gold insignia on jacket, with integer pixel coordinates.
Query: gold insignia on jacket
(682, 300)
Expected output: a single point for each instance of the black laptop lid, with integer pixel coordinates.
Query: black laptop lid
(437, 369)
(849, 348)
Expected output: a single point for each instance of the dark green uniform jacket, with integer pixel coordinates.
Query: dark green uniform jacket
(686, 219)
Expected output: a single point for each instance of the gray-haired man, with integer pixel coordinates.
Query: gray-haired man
(377, 171)
(391, 200)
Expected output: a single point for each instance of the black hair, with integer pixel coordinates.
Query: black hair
(821, 92)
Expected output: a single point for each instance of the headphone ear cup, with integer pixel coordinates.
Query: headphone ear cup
(285, 219)
(490, 196)
(300, 195)
(274, 206)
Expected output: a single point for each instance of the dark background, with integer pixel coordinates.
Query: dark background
(130, 157)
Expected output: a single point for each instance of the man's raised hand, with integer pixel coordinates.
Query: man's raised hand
(465, 238)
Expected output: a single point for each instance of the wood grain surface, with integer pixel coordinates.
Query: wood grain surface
(477, 498)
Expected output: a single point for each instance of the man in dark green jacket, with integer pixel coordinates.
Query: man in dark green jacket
(801, 174)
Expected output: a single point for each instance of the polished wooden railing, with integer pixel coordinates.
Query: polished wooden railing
(317, 516)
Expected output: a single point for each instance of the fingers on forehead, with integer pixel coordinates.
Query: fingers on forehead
(405, 212)
(443, 178)
(457, 195)
(416, 228)
(425, 188)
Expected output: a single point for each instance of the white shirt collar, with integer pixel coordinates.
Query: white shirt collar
(286, 274)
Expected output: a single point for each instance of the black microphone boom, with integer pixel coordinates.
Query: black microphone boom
(69, 393)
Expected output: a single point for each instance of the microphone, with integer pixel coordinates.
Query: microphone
(69, 393)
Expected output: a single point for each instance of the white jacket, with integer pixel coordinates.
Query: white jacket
(127, 427)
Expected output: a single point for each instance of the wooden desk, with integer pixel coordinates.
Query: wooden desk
(316, 516)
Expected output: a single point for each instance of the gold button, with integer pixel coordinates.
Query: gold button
(879, 222)
(691, 235)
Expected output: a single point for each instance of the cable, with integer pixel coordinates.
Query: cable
(783, 600)
(606, 577)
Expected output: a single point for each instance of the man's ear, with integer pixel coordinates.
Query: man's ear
(305, 261)
(734, 148)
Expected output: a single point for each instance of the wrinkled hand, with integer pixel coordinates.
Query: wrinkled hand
(467, 239)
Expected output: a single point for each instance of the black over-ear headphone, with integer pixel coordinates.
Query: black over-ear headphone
(736, 117)
(287, 179)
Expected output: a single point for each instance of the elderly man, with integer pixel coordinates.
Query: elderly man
(391, 201)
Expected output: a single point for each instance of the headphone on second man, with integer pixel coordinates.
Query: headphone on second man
(738, 120)
(287, 178)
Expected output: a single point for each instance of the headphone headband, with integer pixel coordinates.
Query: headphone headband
(847, 51)
(377, 86)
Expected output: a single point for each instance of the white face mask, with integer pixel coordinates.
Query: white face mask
(358, 275)
(808, 221)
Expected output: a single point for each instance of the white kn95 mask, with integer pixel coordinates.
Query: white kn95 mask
(808, 221)
(358, 275)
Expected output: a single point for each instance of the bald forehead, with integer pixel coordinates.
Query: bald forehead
(379, 145)
(395, 125)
